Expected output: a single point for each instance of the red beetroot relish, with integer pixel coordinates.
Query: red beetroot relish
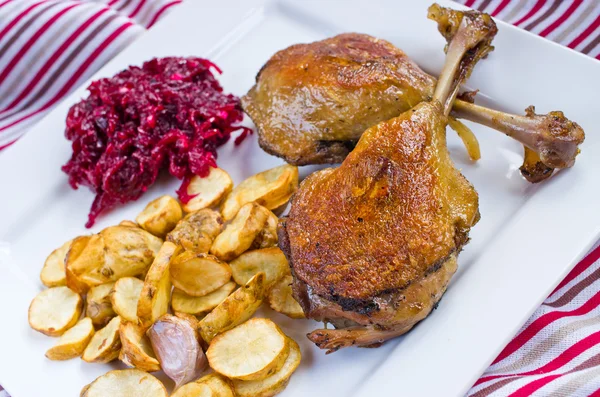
(170, 113)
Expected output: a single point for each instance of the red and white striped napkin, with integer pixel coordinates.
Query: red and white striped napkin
(49, 47)
(557, 352)
(573, 23)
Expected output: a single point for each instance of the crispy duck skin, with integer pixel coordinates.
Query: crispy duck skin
(373, 244)
(312, 102)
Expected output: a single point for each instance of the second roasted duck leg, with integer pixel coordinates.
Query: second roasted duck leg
(373, 244)
(312, 102)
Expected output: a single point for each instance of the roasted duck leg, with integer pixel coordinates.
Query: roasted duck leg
(311, 102)
(373, 244)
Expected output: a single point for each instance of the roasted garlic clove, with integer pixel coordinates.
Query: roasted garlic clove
(177, 348)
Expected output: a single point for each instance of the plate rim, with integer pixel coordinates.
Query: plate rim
(256, 5)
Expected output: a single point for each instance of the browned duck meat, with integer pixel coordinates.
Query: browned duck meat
(373, 244)
(312, 102)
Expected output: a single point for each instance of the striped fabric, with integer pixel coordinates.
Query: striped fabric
(557, 352)
(49, 47)
(573, 23)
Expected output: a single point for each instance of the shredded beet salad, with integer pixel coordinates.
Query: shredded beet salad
(169, 113)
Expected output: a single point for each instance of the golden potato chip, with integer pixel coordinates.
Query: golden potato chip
(273, 384)
(238, 236)
(115, 252)
(105, 344)
(99, 307)
(77, 248)
(235, 309)
(136, 350)
(220, 386)
(194, 389)
(271, 189)
(125, 296)
(197, 230)
(125, 383)
(198, 274)
(160, 216)
(53, 273)
(55, 310)
(208, 191)
(156, 292)
(267, 237)
(270, 261)
(250, 351)
(128, 223)
(282, 300)
(73, 342)
(184, 303)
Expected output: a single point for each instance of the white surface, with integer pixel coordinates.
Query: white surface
(527, 240)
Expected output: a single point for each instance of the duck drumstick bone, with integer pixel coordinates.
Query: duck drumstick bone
(551, 140)
(469, 36)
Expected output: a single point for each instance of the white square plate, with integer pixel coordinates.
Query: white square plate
(527, 240)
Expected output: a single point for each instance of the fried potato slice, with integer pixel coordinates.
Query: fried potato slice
(178, 350)
(115, 252)
(55, 310)
(235, 309)
(160, 216)
(53, 273)
(125, 383)
(220, 385)
(99, 307)
(270, 188)
(136, 350)
(128, 223)
(105, 344)
(270, 261)
(197, 230)
(240, 233)
(208, 191)
(212, 385)
(198, 274)
(184, 303)
(73, 342)
(125, 296)
(156, 291)
(273, 384)
(251, 351)
(267, 237)
(194, 389)
(77, 248)
(282, 300)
